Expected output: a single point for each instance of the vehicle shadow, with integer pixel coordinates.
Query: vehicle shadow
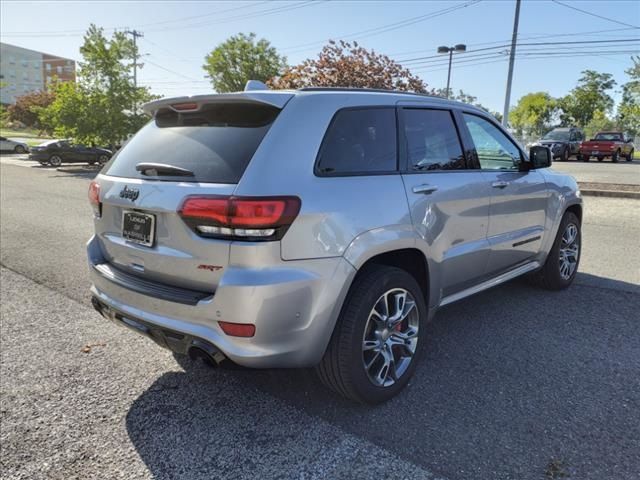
(510, 381)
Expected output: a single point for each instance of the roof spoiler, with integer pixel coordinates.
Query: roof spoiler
(255, 92)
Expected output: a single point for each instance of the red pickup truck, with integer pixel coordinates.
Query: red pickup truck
(608, 144)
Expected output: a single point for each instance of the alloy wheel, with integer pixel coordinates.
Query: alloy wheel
(390, 337)
(569, 251)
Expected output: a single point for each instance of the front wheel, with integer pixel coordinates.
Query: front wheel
(374, 347)
(565, 155)
(561, 266)
(55, 160)
(102, 159)
(19, 149)
(585, 158)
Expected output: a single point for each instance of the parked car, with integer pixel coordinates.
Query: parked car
(615, 145)
(13, 146)
(57, 152)
(320, 227)
(563, 142)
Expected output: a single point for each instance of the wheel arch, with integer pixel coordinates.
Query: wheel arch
(576, 209)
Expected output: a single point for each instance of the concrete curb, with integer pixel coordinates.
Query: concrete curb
(609, 193)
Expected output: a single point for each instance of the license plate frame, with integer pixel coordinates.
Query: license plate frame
(145, 234)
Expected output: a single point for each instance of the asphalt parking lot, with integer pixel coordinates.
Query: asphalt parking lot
(515, 383)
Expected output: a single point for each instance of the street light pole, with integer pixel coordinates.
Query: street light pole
(512, 57)
(457, 48)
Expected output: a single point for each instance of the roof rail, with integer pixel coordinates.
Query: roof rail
(370, 90)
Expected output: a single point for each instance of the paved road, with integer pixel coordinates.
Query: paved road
(516, 383)
(602, 172)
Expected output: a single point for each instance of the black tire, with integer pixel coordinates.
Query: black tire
(615, 156)
(630, 156)
(55, 160)
(102, 159)
(549, 276)
(19, 149)
(585, 158)
(565, 155)
(91, 162)
(342, 367)
(600, 159)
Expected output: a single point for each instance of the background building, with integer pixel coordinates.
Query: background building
(23, 71)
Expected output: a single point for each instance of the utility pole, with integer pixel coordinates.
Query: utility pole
(512, 57)
(135, 34)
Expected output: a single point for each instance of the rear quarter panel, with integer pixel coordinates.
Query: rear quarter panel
(335, 210)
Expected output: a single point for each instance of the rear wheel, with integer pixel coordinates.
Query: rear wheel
(630, 156)
(55, 160)
(585, 158)
(565, 155)
(600, 159)
(615, 156)
(19, 149)
(374, 348)
(562, 263)
(102, 159)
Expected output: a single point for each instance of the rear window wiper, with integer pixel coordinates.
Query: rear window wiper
(158, 169)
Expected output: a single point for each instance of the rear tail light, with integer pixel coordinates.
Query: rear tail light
(242, 218)
(94, 198)
(238, 329)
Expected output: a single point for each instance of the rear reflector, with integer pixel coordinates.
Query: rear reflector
(238, 329)
(247, 218)
(94, 197)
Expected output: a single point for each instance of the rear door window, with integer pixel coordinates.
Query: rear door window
(431, 140)
(360, 141)
(215, 143)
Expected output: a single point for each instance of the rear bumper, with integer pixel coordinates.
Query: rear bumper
(294, 306)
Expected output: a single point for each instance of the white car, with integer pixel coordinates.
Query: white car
(12, 145)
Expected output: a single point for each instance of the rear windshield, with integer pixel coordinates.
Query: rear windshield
(609, 136)
(215, 143)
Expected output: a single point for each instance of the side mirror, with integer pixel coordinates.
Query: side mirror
(540, 157)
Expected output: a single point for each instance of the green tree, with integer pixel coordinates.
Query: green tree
(600, 122)
(590, 95)
(629, 108)
(241, 58)
(533, 114)
(345, 64)
(99, 107)
(26, 108)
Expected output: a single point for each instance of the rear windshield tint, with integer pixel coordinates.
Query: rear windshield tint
(215, 143)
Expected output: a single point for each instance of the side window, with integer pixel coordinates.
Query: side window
(432, 140)
(360, 141)
(495, 150)
(573, 136)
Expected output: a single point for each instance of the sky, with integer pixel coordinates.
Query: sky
(178, 35)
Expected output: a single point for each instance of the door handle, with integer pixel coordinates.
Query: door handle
(425, 189)
(500, 184)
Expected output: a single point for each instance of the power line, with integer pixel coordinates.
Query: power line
(523, 44)
(260, 13)
(594, 14)
(384, 28)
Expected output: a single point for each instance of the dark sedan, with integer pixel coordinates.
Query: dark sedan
(57, 152)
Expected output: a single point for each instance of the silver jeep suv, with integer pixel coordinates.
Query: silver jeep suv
(320, 227)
